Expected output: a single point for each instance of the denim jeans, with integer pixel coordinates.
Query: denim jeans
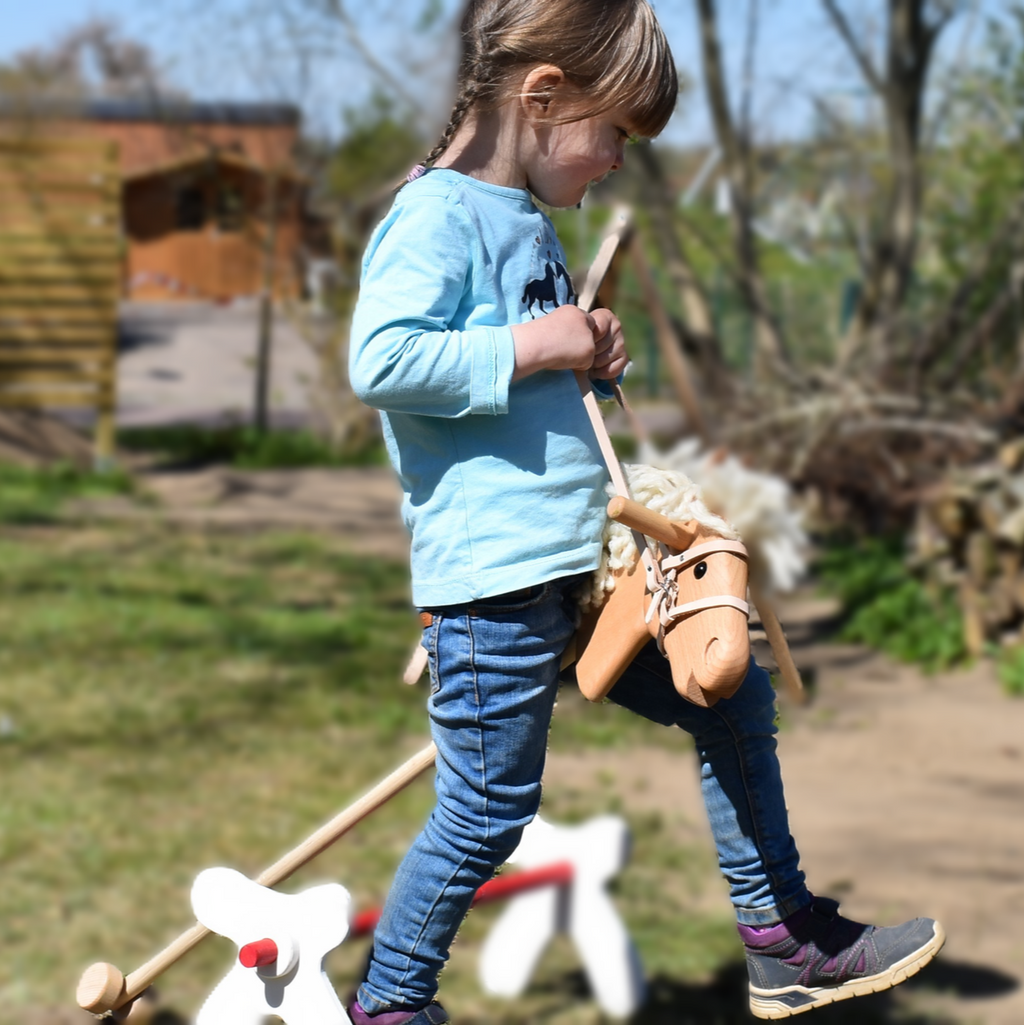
(494, 668)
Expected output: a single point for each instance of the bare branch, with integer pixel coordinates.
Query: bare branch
(863, 60)
(909, 425)
(749, 52)
(355, 38)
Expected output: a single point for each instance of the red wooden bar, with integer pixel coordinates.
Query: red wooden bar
(558, 874)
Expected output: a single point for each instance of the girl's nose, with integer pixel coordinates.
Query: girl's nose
(620, 156)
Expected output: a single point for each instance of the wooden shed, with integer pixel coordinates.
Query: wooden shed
(212, 205)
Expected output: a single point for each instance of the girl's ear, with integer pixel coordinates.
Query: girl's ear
(542, 86)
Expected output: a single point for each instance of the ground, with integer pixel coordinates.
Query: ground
(193, 362)
(905, 791)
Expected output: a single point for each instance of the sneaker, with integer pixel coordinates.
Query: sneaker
(432, 1014)
(816, 957)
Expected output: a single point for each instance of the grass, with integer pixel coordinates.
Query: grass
(170, 701)
(29, 495)
(1010, 668)
(244, 447)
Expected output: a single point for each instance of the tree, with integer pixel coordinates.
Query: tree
(93, 59)
(736, 144)
(900, 83)
(978, 214)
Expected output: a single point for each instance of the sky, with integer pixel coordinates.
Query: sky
(217, 56)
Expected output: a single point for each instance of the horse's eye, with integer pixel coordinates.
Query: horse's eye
(700, 569)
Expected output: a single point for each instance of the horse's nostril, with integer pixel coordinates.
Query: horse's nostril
(700, 569)
(709, 650)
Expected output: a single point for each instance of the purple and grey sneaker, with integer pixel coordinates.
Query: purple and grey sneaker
(816, 957)
(432, 1014)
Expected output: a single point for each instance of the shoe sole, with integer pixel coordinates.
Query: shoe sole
(783, 1003)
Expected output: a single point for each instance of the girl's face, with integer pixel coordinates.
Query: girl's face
(570, 157)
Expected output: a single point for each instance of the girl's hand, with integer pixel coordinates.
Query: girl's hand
(610, 357)
(565, 339)
(569, 339)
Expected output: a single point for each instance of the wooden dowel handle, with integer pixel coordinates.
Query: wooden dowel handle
(780, 647)
(653, 524)
(618, 233)
(141, 979)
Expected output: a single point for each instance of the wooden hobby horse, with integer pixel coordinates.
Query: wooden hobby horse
(687, 586)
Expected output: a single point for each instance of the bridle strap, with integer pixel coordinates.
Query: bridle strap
(715, 602)
(697, 552)
(662, 586)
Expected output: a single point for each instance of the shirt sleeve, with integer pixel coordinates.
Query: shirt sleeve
(404, 356)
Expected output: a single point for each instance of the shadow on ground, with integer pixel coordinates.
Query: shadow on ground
(723, 1000)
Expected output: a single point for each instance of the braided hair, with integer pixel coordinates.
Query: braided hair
(612, 52)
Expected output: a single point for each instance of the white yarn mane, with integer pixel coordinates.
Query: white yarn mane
(758, 508)
(761, 506)
(668, 492)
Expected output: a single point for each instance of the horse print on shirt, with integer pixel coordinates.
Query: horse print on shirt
(545, 290)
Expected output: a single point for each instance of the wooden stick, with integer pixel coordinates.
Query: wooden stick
(610, 248)
(618, 234)
(100, 990)
(780, 646)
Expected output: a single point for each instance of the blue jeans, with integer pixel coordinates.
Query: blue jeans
(494, 669)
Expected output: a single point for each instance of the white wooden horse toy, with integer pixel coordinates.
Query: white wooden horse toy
(282, 939)
(597, 851)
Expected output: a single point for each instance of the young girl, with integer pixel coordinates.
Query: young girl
(465, 336)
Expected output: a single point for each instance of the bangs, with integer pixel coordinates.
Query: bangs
(641, 76)
(637, 73)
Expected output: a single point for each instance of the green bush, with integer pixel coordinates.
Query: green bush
(888, 607)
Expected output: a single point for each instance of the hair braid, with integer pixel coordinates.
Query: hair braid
(466, 99)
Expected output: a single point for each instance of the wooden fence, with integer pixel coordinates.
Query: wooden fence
(60, 270)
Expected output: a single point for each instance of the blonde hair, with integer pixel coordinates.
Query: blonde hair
(612, 52)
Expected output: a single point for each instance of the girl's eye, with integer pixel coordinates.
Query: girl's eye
(700, 569)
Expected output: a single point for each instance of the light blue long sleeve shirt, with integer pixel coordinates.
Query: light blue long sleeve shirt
(503, 482)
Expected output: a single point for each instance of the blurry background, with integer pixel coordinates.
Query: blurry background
(204, 608)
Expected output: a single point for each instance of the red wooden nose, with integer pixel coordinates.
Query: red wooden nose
(258, 954)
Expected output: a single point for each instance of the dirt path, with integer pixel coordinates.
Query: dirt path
(359, 506)
(906, 796)
(906, 792)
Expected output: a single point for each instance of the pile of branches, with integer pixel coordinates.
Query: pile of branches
(864, 458)
(969, 537)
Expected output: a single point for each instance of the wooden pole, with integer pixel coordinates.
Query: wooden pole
(266, 317)
(791, 681)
